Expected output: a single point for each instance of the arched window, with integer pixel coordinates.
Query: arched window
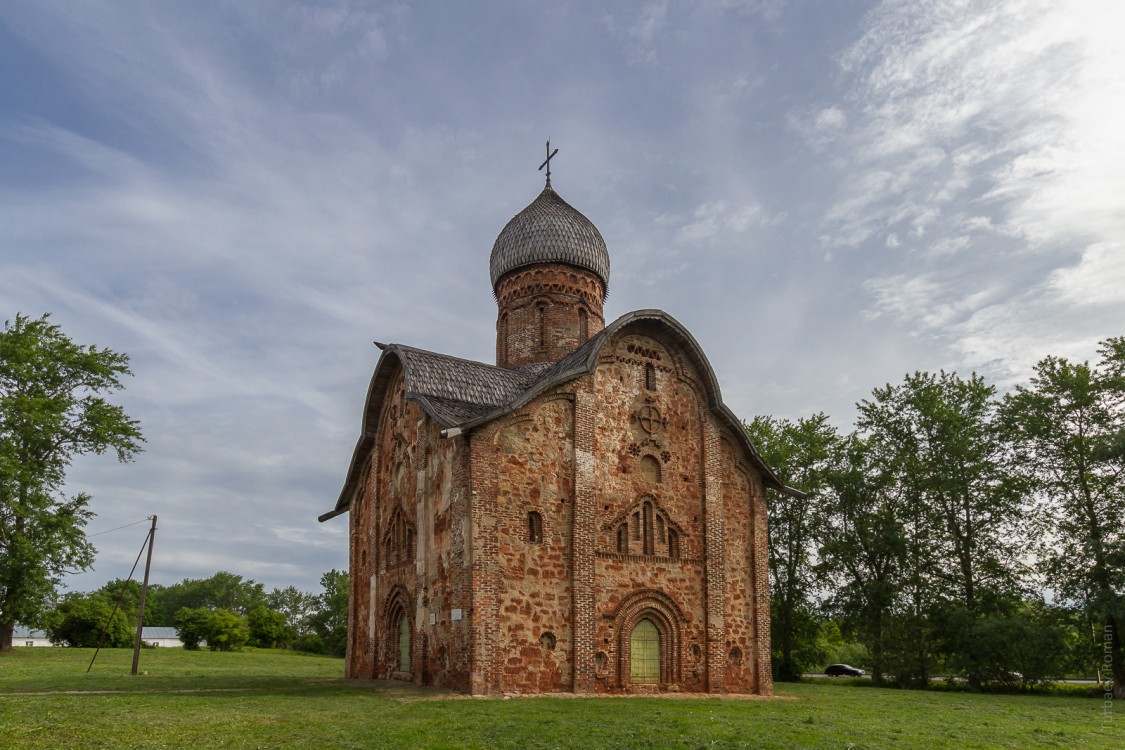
(534, 526)
(673, 544)
(650, 376)
(644, 654)
(542, 325)
(583, 326)
(648, 542)
(504, 338)
(623, 538)
(398, 541)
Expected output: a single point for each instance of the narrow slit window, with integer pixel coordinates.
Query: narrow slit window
(583, 326)
(542, 327)
(650, 377)
(504, 337)
(623, 538)
(648, 545)
(534, 527)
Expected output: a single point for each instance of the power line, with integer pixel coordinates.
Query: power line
(121, 596)
(143, 520)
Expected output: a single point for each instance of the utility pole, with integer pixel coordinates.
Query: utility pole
(144, 593)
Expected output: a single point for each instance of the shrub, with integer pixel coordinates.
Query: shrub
(268, 628)
(227, 631)
(191, 626)
(78, 621)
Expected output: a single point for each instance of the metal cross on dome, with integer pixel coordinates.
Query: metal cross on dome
(547, 162)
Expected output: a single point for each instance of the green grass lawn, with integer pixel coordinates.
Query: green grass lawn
(268, 699)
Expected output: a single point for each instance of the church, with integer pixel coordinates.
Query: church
(583, 516)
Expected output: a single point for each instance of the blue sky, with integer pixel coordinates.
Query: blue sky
(242, 196)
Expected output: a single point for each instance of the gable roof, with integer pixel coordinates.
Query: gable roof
(461, 394)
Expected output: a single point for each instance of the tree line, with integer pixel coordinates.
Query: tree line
(225, 612)
(54, 406)
(955, 530)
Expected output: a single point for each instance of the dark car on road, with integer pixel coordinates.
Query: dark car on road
(843, 670)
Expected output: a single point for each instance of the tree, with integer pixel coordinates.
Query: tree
(191, 626)
(268, 628)
(1014, 650)
(223, 590)
(51, 409)
(864, 544)
(1068, 427)
(227, 631)
(129, 591)
(295, 604)
(330, 621)
(800, 452)
(941, 435)
(80, 619)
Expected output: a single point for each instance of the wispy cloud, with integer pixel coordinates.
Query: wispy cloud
(984, 129)
(243, 196)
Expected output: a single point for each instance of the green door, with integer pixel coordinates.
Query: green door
(644, 665)
(404, 645)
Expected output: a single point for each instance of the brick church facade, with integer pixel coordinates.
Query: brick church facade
(584, 516)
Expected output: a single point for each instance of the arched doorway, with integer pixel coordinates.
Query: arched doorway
(404, 644)
(644, 654)
(648, 630)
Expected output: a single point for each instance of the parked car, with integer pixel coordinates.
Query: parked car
(843, 670)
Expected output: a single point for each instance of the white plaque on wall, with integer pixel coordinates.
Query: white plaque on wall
(455, 614)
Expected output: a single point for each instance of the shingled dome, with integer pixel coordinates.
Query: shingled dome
(549, 230)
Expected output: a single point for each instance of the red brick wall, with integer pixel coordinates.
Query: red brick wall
(664, 423)
(740, 645)
(417, 482)
(540, 311)
(534, 451)
(556, 614)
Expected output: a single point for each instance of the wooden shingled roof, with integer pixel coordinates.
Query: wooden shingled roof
(462, 394)
(549, 230)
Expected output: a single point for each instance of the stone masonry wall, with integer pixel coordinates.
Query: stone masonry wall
(646, 511)
(649, 440)
(407, 558)
(740, 645)
(534, 511)
(524, 554)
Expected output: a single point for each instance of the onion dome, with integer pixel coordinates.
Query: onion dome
(550, 230)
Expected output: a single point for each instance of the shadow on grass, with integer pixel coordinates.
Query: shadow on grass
(1057, 689)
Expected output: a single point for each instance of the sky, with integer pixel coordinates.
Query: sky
(244, 196)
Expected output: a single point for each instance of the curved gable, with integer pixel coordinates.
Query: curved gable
(660, 325)
(388, 366)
